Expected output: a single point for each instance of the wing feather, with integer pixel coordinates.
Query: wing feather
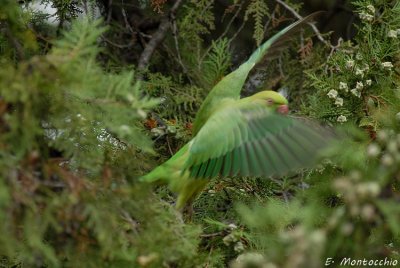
(226, 166)
(250, 140)
(235, 162)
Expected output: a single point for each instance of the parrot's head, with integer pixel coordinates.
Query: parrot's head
(273, 100)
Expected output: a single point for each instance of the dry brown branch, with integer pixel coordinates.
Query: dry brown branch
(297, 15)
(157, 37)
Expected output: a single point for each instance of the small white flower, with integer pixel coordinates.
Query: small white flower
(239, 247)
(349, 64)
(141, 113)
(359, 56)
(373, 150)
(387, 160)
(249, 257)
(343, 85)
(392, 34)
(125, 129)
(369, 18)
(130, 97)
(341, 119)
(366, 67)
(232, 226)
(366, 17)
(360, 72)
(339, 102)
(387, 65)
(332, 94)
(368, 82)
(359, 85)
(371, 9)
(355, 92)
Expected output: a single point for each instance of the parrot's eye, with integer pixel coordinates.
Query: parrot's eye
(270, 101)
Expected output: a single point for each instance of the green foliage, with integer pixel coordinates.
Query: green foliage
(216, 63)
(14, 29)
(177, 101)
(66, 10)
(197, 20)
(72, 144)
(258, 9)
(357, 79)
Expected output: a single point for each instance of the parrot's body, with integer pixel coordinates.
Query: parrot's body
(248, 136)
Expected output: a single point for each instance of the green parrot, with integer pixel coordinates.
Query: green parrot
(235, 136)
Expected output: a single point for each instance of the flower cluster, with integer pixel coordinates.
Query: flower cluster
(343, 88)
(394, 33)
(357, 194)
(387, 65)
(386, 148)
(359, 72)
(332, 94)
(369, 14)
(234, 237)
(341, 119)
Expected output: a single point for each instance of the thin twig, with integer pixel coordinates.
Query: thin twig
(134, 224)
(285, 196)
(280, 183)
(297, 15)
(127, 24)
(169, 146)
(175, 35)
(157, 37)
(280, 65)
(268, 22)
(110, 2)
(333, 49)
(130, 44)
(224, 33)
(238, 31)
(302, 38)
(232, 20)
(212, 234)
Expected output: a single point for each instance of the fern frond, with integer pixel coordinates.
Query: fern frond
(80, 41)
(258, 9)
(177, 101)
(217, 61)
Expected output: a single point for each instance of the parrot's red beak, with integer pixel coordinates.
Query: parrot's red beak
(283, 109)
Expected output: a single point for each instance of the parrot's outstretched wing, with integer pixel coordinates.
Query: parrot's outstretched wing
(249, 140)
(231, 85)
